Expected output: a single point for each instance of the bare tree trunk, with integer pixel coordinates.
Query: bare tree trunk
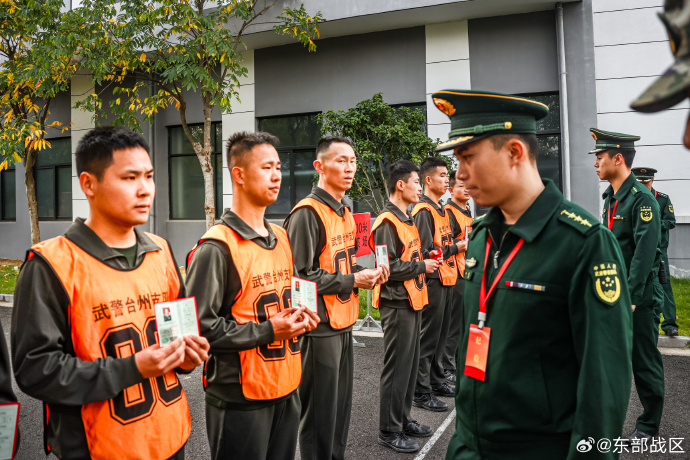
(207, 166)
(29, 162)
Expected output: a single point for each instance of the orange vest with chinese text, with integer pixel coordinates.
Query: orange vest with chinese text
(273, 370)
(338, 255)
(465, 224)
(412, 251)
(111, 314)
(447, 272)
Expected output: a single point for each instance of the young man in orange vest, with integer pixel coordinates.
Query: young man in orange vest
(241, 273)
(322, 235)
(435, 233)
(84, 336)
(460, 216)
(400, 302)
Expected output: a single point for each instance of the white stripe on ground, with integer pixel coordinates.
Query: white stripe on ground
(675, 351)
(439, 432)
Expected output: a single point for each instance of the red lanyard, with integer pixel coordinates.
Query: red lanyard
(609, 218)
(654, 193)
(483, 296)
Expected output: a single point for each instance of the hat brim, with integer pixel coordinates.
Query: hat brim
(458, 141)
(644, 181)
(667, 90)
(595, 151)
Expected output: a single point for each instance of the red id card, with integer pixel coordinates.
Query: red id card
(477, 352)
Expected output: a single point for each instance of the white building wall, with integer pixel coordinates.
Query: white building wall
(242, 118)
(82, 121)
(631, 51)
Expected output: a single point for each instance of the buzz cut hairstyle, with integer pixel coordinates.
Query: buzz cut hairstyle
(325, 143)
(627, 154)
(95, 150)
(243, 142)
(451, 178)
(400, 170)
(428, 165)
(499, 140)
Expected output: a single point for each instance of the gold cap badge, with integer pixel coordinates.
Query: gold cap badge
(444, 106)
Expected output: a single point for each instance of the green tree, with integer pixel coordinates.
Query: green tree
(382, 135)
(29, 80)
(151, 55)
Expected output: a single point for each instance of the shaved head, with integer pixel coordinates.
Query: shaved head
(241, 144)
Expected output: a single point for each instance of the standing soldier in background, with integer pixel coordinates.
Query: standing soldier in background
(322, 236)
(400, 302)
(632, 214)
(547, 350)
(84, 337)
(460, 216)
(240, 273)
(645, 176)
(435, 234)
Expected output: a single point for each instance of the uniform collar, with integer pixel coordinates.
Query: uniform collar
(80, 234)
(533, 221)
(436, 206)
(623, 190)
(327, 199)
(466, 211)
(240, 227)
(403, 217)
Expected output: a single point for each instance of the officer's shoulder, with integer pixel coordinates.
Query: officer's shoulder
(661, 194)
(575, 217)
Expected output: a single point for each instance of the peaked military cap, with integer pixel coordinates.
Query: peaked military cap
(671, 88)
(644, 174)
(607, 140)
(476, 115)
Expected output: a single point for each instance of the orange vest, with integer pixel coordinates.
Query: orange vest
(111, 314)
(442, 237)
(274, 370)
(412, 250)
(465, 224)
(338, 255)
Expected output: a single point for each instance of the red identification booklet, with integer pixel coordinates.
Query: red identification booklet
(9, 424)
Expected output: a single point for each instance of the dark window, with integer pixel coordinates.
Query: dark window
(8, 194)
(53, 174)
(298, 135)
(186, 180)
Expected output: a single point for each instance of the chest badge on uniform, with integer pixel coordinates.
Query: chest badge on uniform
(607, 284)
(646, 213)
(471, 262)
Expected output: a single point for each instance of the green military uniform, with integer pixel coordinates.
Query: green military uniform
(668, 221)
(557, 372)
(632, 214)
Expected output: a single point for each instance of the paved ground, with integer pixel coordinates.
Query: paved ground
(363, 428)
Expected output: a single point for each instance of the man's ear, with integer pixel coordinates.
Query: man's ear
(88, 183)
(237, 174)
(318, 166)
(516, 149)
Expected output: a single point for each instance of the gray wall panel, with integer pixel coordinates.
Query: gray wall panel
(183, 235)
(342, 72)
(579, 52)
(514, 54)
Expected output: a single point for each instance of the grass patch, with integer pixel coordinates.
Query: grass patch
(681, 293)
(8, 278)
(363, 306)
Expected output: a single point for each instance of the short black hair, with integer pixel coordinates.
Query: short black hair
(627, 154)
(243, 142)
(95, 150)
(429, 164)
(400, 170)
(452, 178)
(325, 143)
(499, 140)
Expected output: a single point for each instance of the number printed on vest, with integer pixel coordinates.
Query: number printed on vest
(137, 401)
(266, 305)
(344, 260)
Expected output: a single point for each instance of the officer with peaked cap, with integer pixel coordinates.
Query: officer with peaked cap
(544, 359)
(668, 221)
(674, 85)
(632, 214)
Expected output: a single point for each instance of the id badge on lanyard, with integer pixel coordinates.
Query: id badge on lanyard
(478, 340)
